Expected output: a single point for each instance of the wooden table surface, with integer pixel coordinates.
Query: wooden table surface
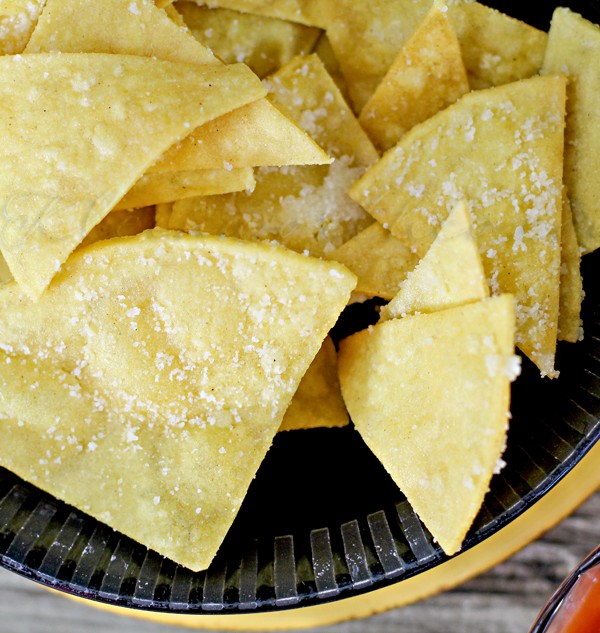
(502, 600)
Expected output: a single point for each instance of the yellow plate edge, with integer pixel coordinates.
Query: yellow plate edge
(558, 503)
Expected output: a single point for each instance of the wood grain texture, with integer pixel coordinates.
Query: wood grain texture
(502, 600)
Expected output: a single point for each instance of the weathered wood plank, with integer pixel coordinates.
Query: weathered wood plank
(504, 600)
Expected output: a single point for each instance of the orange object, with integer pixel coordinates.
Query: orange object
(580, 610)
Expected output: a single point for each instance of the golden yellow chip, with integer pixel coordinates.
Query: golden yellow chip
(17, 21)
(255, 135)
(264, 44)
(5, 274)
(501, 149)
(307, 12)
(172, 13)
(496, 48)
(124, 403)
(450, 274)
(121, 224)
(304, 208)
(127, 27)
(92, 125)
(574, 49)
(379, 260)
(430, 396)
(163, 215)
(571, 283)
(318, 401)
(248, 137)
(427, 75)
(168, 186)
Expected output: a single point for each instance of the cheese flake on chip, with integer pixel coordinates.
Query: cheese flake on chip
(124, 403)
(92, 125)
(450, 274)
(501, 149)
(430, 395)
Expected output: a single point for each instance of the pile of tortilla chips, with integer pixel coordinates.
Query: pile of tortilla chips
(193, 192)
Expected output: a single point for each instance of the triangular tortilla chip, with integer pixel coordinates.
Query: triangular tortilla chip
(501, 149)
(379, 260)
(256, 135)
(571, 283)
(168, 186)
(496, 48)
(124, 403)
(450, 274)
(318, 401)
(427, 75)
(139, 28)
(17, 21)
(430, 396)
(304, 208)
(92, 125)
(121, 224)
(574, 49)
(366, 37)
(264, 44)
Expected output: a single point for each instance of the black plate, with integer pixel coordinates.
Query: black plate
(322, 520)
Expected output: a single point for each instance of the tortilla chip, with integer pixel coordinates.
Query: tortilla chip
(178, 185)
(125, 27)
(427, 75)
(571, 283)
(255, 135)
(163, 215)
(92, 125)
(574, 49)
(318, 401)
(379, 260)
(303, 208)
(451, 273)
(17, 21)
(496, 48)
(327, 56)
(366, 37)
(308, 12)
(430, 396)
(121, 224)
(264, 44)
(501, 149)
(130, 349)
(258, 135)
(173, 14)
(5, 274)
